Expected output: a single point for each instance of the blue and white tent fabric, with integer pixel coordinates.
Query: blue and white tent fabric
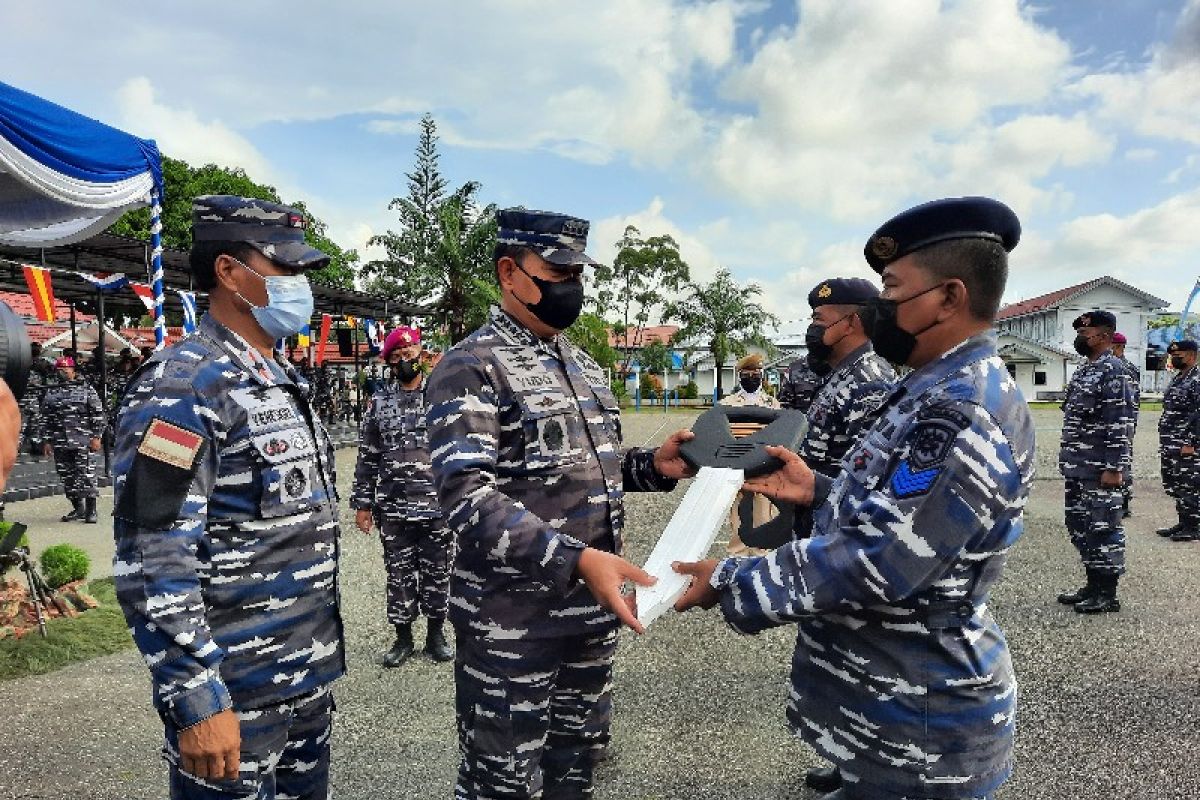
(188, 299)
(64, 176)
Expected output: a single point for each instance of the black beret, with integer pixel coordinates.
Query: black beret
(1181, 346)
(842, 292)
(1095, 319)
(941, 221)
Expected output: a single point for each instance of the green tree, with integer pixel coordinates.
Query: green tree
(642, 273)
(590, 333)
(724, 315)
(655, 357)
(460, 261)
(407, 271)
(182, 183)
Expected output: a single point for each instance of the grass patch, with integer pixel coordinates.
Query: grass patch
(93, 633)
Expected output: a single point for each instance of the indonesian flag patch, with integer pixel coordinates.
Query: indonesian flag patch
(171, 444)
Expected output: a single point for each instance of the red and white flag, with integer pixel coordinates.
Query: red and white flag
(144, 291)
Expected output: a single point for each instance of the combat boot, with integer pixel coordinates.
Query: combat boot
(90, 511)
(823, 779)
(436, 646)
(1167, 533)
(1189, 534)
(1104, 599)
(402, 648)
(1082, 593)
(76, 511)
(1126, 511)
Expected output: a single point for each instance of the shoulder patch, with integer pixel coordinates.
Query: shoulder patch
(907, 483)
(171, 444)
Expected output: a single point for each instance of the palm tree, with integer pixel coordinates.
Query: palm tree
(724, 315)
(461, 261)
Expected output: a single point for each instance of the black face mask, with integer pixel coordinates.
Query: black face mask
(751, 383)
(1178, 363)
(1082, 346)
(561, 301)
(406, 370)
(819, 352)
(878, 317)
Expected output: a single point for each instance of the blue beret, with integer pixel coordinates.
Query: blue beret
(942, 221)
(1182, 345)
(1093, 319)
(842, 292)
(558, 238)
(273, 229)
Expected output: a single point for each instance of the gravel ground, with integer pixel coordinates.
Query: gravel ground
(1110, 706)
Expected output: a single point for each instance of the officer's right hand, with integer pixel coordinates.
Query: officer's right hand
(10, 431)
(363, 519)
(212, 748)
(605, 573)
(793, 482)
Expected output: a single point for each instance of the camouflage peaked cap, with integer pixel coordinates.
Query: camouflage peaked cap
(273, 229)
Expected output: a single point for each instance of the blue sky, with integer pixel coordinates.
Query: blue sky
(767, 137)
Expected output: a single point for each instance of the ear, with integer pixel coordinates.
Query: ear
(223, 269)
(506, 267)
(957, 300)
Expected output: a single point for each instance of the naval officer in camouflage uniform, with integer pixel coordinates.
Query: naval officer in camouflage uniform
(902, 677)
(73, 422)
(227, 522)
(525, 437)
(801, 384)
(1179, 438)
(1135, 380)
(393, 488)
(1095, 456)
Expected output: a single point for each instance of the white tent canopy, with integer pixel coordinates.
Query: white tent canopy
(86, 337)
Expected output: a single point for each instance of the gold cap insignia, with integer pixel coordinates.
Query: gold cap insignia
(824, 291)
(883, 247)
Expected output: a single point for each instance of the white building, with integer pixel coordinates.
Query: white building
(1036, 339)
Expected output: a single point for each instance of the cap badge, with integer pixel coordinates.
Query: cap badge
(574, 227)
(295, 221)
(824, 291)
(883, 247)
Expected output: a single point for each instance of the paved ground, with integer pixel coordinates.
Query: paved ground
(1110, 707)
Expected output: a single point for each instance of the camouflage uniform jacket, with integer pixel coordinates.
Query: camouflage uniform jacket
(1179, 424)
(33, 432)
(71, 414)
(393, 477)
(1098, 418)
(844, 407)
(525, 439)
(901, 675)
(226, 529)
(800, 386)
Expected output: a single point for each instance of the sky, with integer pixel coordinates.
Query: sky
(769, 138)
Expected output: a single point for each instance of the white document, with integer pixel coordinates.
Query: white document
(688, 537)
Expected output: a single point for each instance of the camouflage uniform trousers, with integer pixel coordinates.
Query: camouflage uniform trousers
(417, 555)
(284, 754)
(532, 714)
(77, 471)
(1181, 480)
(1093, 516)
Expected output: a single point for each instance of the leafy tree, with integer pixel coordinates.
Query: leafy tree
(655, 358)
(182, 183)
(590, 333)
(642, 272)
(407, 271)
(724, 315)
(460, 261)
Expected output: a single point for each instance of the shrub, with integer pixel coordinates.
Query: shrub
(689, 391)
(64, 563)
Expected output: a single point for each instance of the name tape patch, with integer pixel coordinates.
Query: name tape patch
(171, 444)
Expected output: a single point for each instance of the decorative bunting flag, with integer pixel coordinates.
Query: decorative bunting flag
(145, 292)
(188, 299)
(304, 338)
(42, 292)
(326, 321)
(374, 339)
(105, 281)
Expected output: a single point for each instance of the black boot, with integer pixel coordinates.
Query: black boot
(1126, 513)
(1082, 593)
(1104, 599)
(89, 510)
(823, 779)
(436, 645)
(76, 511)
(1167, 533)
(402, 648)
(1186, 534)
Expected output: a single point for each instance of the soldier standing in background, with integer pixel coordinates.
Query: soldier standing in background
(393, 488)
(1179, 438)
(901, 675)
(1135, 378)
(41, 375)
(1095, 456)
(750, 392)
(525, 436)
(226, 526)
(73, 421)
(801, 384)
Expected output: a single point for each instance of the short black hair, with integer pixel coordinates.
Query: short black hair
(203, 258)
(980, 264)
(514, 251)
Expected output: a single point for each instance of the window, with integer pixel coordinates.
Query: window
(1039, 378)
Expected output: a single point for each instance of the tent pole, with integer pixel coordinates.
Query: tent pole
(357, 386)
(74, 340)
(103, 387)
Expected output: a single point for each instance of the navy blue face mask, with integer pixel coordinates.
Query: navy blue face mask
(561, 302)
(878, 317)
